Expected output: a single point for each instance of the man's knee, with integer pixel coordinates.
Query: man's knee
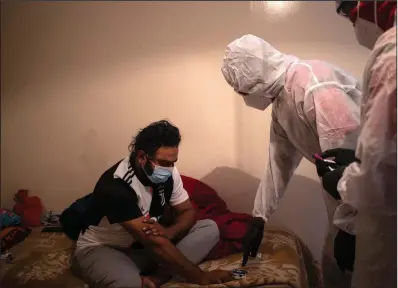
(209, 229)
(106, 268)
(111, 278)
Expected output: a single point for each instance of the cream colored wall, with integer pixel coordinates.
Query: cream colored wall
(79, 79)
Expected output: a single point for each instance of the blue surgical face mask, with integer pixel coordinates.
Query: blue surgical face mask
(160, 174)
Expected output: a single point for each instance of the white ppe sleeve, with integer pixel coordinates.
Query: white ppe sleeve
(283, 161)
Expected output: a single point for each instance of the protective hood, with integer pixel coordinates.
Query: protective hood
(255, 69)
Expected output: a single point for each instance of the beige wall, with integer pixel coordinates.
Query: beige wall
(79, 79)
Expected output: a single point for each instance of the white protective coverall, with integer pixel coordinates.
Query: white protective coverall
(370, 187)
(316, 107)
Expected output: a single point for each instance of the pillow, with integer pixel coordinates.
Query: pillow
(201, 194)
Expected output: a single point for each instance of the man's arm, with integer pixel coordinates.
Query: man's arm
(183, 207)
(283, 161)
(120, 206)
(164, 251)
(185, 219)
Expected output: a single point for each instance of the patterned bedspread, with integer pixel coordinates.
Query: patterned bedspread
(284, 262)
(43, 260)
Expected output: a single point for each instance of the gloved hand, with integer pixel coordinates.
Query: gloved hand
(252, 239)
(323, 167)
(330, 181)
(342, 157)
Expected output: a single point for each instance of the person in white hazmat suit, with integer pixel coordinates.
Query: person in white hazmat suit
(315, 107)
(368, 187)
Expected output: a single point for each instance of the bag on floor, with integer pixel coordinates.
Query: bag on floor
(74, 218)
(8, 218)
(29, 208)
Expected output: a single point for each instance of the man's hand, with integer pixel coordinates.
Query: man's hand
(153, 228)
(156, 279)
(162, 250)
(148, 282)
(215, 277)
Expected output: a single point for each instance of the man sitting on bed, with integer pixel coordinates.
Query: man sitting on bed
(129, 203)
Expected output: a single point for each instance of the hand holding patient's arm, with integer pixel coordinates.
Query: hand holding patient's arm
(164, 251)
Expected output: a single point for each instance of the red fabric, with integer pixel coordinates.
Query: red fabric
(29, 208)
(385, 13)
(232, 226)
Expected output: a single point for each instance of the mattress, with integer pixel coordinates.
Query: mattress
(43, 260)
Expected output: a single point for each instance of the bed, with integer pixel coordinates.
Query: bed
(43, 260)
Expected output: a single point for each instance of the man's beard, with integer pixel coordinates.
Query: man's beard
(142, 172)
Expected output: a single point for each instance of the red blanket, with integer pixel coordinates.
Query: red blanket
(232, 226)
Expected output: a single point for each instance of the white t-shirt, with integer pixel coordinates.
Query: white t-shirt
(114, 234)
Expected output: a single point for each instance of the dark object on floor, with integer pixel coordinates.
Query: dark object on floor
(7, 257)
(57, 229)
(239, 273)
(344, 250)
(11, 236)
(252, 239)
(51, 219)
